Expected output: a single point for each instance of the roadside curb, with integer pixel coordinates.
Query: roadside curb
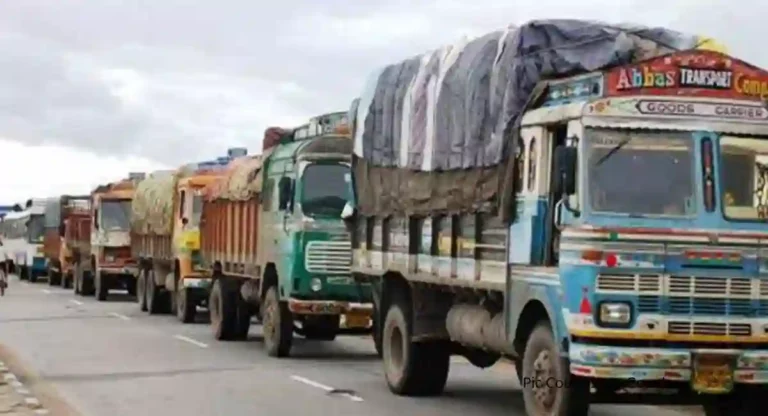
(30, 401)
(37, 396)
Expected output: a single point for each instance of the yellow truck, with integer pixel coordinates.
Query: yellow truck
(165, 239)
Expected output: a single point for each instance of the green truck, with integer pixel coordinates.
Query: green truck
(274, 242)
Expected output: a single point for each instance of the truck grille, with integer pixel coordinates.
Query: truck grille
(328, 257)
(694, 295)
(710, 328)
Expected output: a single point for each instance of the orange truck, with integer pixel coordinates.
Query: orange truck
(165, 239)
(111, 264)
(58, 249)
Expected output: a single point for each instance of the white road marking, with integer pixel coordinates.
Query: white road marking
(191, 341)
(9, 377)
(32, 402)
(120, 316)
(41, 412)
(76, 302)
(328, 389)
(46, 291)
(23, 391)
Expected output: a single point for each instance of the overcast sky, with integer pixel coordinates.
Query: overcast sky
(90, 89)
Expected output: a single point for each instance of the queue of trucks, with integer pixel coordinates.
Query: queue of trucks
(612, 246)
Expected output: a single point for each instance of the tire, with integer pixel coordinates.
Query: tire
(186, 306)
(540, 353)
(744, 401)
(54, 278)
(141, 290)
(243, 324)
(223, 310)
(23, 273)
(66, 281)
(156, 304)
(376, 330)
(412, 368)
(78, 279)
(277, 325)
(31, 275)
(102, 286)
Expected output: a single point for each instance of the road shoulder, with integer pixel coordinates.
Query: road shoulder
(24, 392)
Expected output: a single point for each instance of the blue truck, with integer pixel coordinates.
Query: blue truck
(591, 205)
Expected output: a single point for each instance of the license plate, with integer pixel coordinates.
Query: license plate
(713, 374)
(357, 321)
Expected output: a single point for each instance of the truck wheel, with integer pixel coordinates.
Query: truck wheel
(243, 324)
(23, 273)
(66, 280)
(376, 330)
(131, 285)
(412, 368)
(141, 290)
(54, 278)
(223, 311)
(102, 289)
(155, 297)
(87, 284)
(186, 307)
(31, 275)
(553, 390)
(277, 326)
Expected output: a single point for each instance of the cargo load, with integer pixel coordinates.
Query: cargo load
(153, 204)
(434, 133)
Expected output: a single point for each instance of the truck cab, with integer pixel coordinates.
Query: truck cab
(24, 232)
(306, 185)
(111, 260)
(641, 193)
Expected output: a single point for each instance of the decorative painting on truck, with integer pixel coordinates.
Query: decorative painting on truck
(703, 74)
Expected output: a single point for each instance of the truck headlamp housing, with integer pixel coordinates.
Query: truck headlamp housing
(615, 314)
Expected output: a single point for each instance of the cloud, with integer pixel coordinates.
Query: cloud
(179, 80)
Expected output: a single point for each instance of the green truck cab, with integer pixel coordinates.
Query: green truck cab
(285, 206)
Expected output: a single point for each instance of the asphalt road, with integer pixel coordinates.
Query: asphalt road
(108, 358)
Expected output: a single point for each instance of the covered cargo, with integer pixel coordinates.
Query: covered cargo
(52, 221)
(230, 215)
(153, 203)
(434, 133)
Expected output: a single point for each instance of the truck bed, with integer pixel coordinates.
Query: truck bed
(229, 235)
(156, 247)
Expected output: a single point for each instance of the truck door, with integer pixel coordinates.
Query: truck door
(557, 135)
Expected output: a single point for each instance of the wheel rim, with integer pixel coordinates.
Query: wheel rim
(270, 326)
(181, 303)
(394, 351)
(543, 391)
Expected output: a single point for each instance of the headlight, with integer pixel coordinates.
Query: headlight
(615, 313)
(315, 284)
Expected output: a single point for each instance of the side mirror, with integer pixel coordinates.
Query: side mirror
(565, 170)
(96, 218)
(285, 190)
(184, 221)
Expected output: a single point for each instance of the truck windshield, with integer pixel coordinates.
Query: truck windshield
(325, 189)
(640, 173)
(744, 178)
(116, 215)
(36, 228)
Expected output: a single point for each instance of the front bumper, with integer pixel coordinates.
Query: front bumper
(329, 307)
(655, 364)
(39, 264)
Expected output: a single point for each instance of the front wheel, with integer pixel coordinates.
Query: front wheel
(412, 368)
(277, 326)
(102, 288)
(553, 391)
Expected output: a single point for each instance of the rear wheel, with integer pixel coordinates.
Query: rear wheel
(412, 368)
(156, 298)
(223, 311)
(102, 286)
(186, 305)
(141, 290)
(277, 325)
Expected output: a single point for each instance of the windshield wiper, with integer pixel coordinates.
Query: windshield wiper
(612, 151)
